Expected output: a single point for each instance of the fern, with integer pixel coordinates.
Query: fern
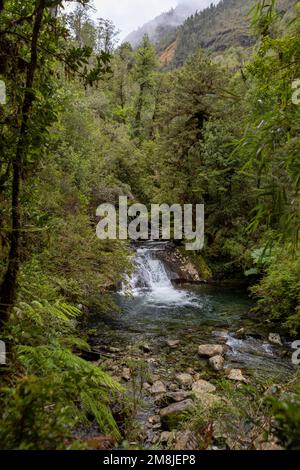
(57, 384)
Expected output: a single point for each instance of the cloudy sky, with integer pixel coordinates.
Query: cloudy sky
(128, 15)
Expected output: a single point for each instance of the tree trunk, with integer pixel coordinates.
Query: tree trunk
(9, 284)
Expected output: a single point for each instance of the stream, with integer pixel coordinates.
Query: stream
(155, 312)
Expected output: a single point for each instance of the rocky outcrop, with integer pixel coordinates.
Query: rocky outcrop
(184, 267)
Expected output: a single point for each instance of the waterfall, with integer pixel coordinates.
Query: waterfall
(151, 279)
(150, 272)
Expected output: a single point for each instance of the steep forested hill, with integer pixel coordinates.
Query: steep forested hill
(216, 28)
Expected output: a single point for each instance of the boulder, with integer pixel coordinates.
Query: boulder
(158, 387)
(173, 343)
(235, 374)
(172, 414)
(184, 379)
(210, 350)
(216, 363)
(202, 386)
(274, 338)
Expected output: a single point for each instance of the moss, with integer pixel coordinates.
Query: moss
(199, 262)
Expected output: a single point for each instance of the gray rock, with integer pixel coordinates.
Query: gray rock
(274, 338)
(210, 350)
(216, 363)
(177, 396)
(158, 387)
(172, 414)
(173, 343)
(184, 379)
(235, 374)
(202, 386)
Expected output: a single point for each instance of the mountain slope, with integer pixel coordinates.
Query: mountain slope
(167, 22)
(218, 28)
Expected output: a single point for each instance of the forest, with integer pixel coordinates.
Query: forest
(85, 120)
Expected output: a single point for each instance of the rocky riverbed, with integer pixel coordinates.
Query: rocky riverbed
(179, 350)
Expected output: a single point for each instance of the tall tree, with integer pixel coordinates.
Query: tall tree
(106, 35)
(143, 72)
(27, 66)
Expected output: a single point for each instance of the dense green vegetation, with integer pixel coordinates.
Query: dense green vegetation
(86, 122)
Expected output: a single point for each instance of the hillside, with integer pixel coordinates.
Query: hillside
(167, 23)
(216, 28)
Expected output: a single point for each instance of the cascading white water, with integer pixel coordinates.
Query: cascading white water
(151, 280)
(150, 272)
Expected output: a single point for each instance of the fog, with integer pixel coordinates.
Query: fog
(129, 15)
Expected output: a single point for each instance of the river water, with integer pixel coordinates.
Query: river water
(153, 310)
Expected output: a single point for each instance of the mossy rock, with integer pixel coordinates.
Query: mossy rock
(172, 415)
(199, 262)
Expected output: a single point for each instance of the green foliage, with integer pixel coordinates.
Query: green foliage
(199, 134)
(143, 74)
(240, 420)
(54, 389)
(286, 412)
(279, 291)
